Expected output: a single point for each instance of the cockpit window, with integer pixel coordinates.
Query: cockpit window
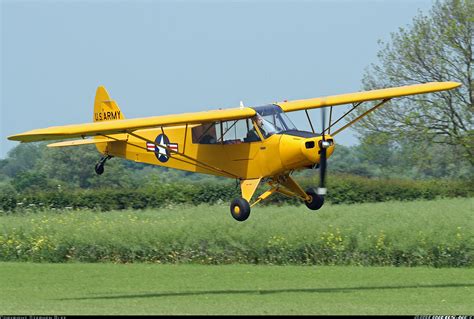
(274, 119)
(270, 120)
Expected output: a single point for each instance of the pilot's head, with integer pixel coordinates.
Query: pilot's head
(258, 119)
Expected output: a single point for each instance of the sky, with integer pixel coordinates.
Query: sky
(170, 57)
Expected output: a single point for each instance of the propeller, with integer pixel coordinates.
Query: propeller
(323, 145)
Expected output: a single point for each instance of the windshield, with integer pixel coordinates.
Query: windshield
(274, 120)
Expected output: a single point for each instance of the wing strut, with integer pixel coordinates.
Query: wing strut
(309, 120)
(197, 163)
(330, 119)
(355, 105)
(360, 116)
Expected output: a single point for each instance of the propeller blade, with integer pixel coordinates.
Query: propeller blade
(323, 121)
(322, 152)
(322, 167)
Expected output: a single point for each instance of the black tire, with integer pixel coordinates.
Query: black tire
(240, 209)
(99, 169)
(316, 201)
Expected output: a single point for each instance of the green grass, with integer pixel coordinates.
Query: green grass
(433, 233)
(39, 288)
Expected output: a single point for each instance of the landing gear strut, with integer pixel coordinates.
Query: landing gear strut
(99, 167)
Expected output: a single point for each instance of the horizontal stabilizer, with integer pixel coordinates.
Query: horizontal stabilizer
(87, 141)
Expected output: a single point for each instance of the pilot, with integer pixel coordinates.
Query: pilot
(252, 135)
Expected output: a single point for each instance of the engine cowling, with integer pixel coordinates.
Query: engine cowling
(297, 152)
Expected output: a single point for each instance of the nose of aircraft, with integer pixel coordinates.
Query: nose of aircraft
(311, 147)
(297, 152)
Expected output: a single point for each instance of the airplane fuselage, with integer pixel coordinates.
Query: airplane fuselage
(174, 148)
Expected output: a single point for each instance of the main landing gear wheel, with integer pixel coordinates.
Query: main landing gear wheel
(316, 201)
(240, 209)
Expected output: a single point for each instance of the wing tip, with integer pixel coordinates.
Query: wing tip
(438, 86)
(455, 84)
(447, 85)
(16, 138)
(23, 138)
(31, 136)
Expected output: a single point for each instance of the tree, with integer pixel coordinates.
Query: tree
(347, 160)
(436, 47)
(31, 181)
(74, 166)
(22, 158)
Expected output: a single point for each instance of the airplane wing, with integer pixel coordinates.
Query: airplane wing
(389, 93)
(130, 125)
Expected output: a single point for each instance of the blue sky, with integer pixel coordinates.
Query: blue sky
(165, 57)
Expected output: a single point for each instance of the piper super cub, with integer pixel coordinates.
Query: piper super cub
(252, 144)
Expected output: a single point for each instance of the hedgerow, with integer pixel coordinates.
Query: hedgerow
(341, 190)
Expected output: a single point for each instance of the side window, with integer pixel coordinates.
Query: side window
(208, 133)
(236, 132)
(233, 132)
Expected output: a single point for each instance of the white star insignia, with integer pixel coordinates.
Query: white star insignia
(162, 150)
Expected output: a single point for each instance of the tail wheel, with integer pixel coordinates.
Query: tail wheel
(240, 209)
(316, 201)
(99, 168)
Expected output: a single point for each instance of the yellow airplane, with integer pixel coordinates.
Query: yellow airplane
(252, 144)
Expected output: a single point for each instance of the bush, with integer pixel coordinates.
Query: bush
(8, 201)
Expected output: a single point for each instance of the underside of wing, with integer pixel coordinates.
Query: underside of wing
(372, 95)
(130, 125)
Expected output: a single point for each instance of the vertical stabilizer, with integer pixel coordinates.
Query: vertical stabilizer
(105, 109)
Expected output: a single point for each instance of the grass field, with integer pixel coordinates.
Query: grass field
(283, 260)
(29, 288)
